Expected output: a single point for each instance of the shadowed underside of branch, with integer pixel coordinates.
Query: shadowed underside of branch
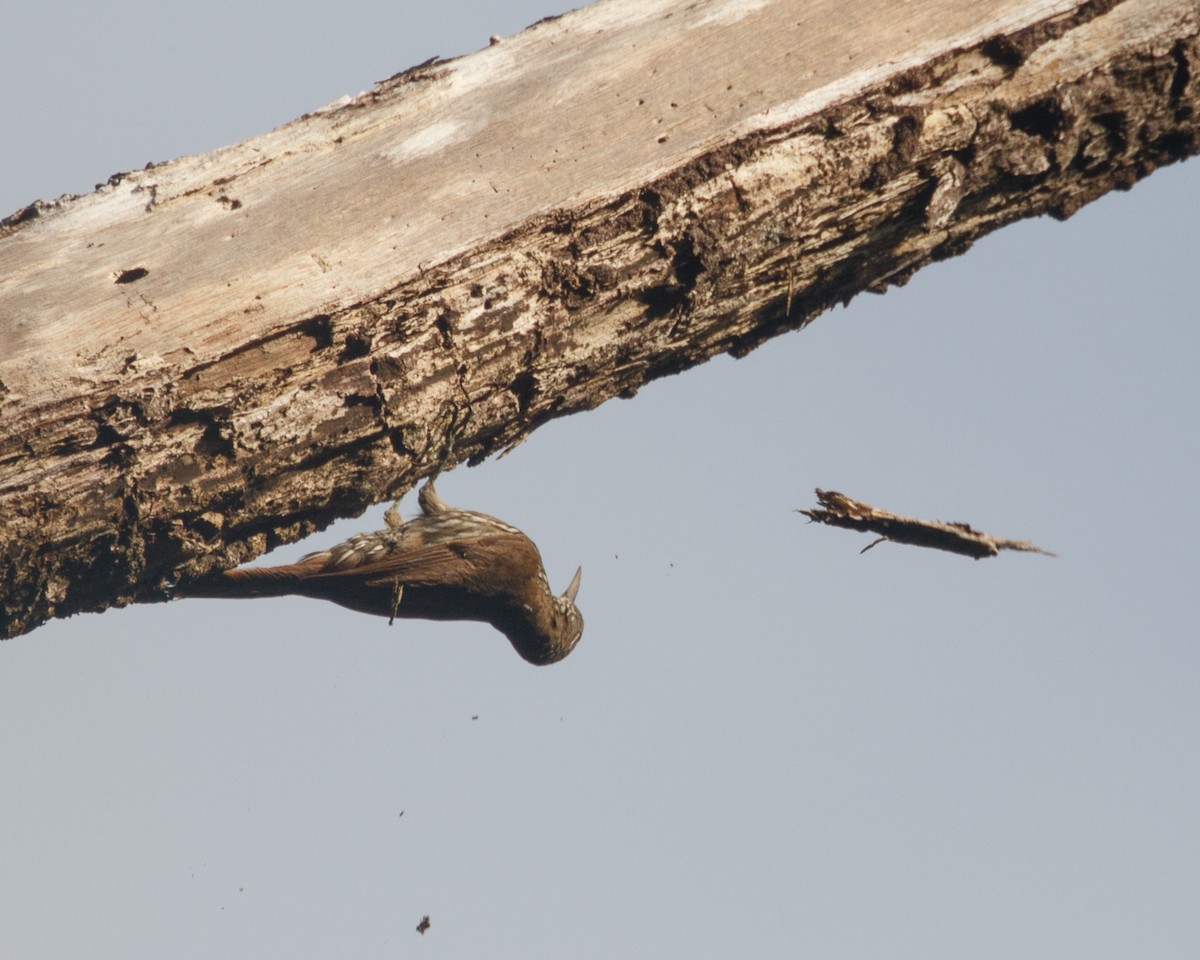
(219, 354)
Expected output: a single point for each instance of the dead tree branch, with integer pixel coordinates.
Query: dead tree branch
(211, 356)
(839, 510)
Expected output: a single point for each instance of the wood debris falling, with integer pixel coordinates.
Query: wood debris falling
(839, 510)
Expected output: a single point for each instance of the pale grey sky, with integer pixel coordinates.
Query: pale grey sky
(765, 744)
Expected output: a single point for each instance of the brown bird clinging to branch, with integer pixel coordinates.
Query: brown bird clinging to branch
(446, 564)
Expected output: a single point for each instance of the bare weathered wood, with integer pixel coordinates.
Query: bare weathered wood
(839, 510)
(214, 355)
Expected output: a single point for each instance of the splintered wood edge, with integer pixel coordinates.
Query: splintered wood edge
(839, 510)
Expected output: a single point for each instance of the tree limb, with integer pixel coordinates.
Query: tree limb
(211, 356)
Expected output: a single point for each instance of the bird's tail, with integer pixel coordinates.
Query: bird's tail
(246, 583)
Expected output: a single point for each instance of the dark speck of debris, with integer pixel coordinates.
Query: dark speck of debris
(401, 814)
(423, 925)
(476, 717)
(128, 276)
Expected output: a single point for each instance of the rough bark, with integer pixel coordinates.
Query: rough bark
(218, 354)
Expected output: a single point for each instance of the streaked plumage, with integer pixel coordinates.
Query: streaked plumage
(445, 564)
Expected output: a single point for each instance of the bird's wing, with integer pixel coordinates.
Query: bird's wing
(471, 564)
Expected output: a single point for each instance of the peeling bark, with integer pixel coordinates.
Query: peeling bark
(212, 356)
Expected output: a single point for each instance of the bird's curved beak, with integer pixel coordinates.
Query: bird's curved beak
(574, 587)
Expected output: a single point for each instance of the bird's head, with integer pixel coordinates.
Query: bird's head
(566, 625)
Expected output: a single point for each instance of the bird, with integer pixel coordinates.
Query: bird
(444, 564)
